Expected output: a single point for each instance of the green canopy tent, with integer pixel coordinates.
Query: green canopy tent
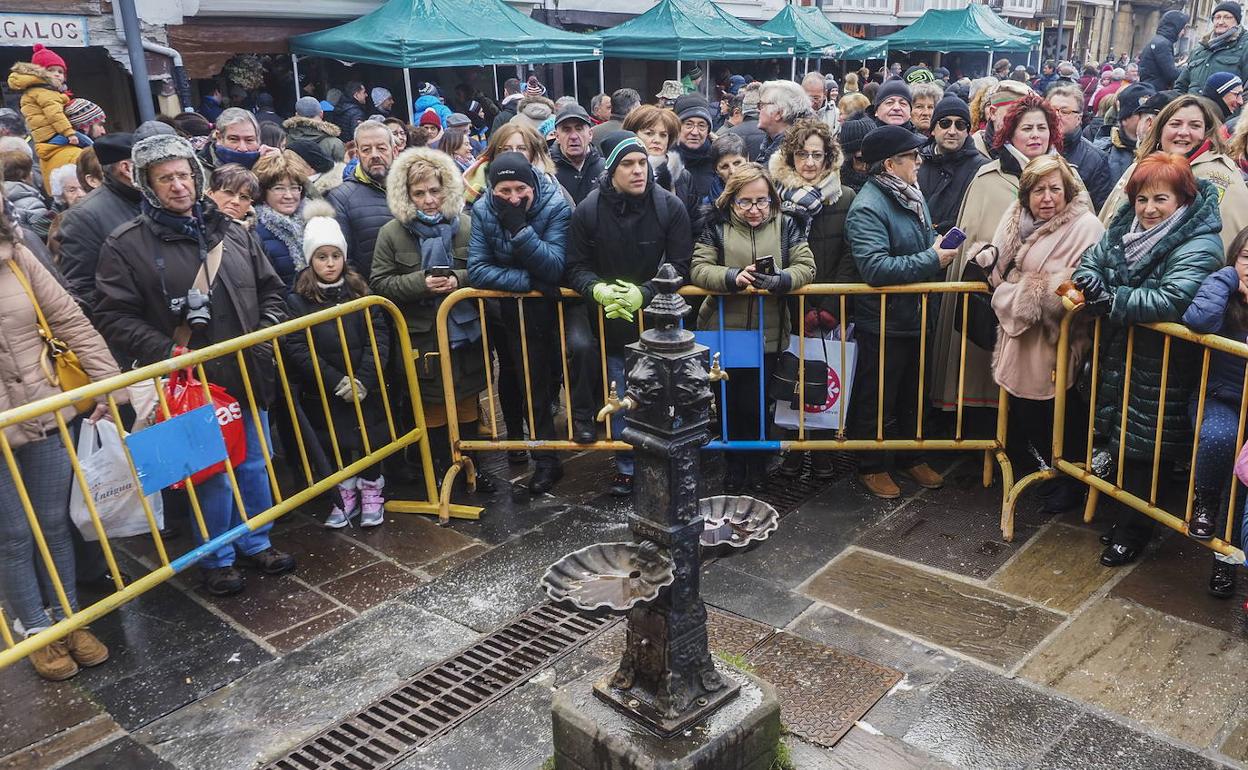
(817, 37)
(446, 33)
(692, 30)
(974, 28)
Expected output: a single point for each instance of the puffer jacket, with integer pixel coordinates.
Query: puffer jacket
(1092, 167)
(1119, 152)
(398, 275)
(286, 264)
(1230, 55)
(83, 228)
(348, 114)
(361, 210)
(1159, 287)
(716, 262)
(891, 246)
(533, 258)
(24, 362)
(42, 104)
(944, 179)
(825, 231)
(28, 203)
(1207, 315)
(320, 132)
(1157, 67)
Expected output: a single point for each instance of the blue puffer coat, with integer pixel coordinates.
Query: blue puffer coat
(278, 253)
(1207, 315)
(536, 254)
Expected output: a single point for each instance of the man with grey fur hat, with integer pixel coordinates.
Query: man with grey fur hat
(309, 124)
(184, 275)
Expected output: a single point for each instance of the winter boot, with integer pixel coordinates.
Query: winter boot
(342, 514)
(372, 502)
(1222, 579)
(1204, 519)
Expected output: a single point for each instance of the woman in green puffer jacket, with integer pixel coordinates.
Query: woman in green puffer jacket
(747, 225)
(1159, 248)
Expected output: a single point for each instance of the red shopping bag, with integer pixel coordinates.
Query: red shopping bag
(185, 393)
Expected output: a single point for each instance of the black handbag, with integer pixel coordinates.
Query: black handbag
(784, 382)
(981, 319)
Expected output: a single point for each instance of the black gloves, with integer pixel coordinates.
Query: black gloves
(772, 283)
(1096, 299)
(511, 216)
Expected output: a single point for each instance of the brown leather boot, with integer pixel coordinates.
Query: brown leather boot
(85, 649)
(881, 485)
(54, 662)
(923, 475)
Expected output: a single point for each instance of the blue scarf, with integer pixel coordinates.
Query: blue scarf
(436, 248)
(244, 159)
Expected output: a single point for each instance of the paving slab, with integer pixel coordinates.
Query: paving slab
(1181, 678)
(63, 746)
(1060, 568)
(411, 539)
(1096, 742)
(322, 554)
(279, 705)
(750, 595)
(371, 585)
(294, 638)
(35, 709)
(125, 752)
(952, 613)
(863, 750)
(1175, 578)
(977, 719)
(271, 604)
(1236, 744)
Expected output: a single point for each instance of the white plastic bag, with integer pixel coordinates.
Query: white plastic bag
(117, 500)
(840, 383)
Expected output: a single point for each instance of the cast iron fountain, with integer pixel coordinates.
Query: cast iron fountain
(695, 711)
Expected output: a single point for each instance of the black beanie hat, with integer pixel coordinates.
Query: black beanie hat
(512, 167)
(892, 88)
(852, 133)
(1234, 9)
(951, 106)
(618, 144)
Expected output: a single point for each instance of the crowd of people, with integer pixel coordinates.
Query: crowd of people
(1127, 180)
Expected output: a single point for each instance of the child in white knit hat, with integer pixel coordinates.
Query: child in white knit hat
(352, 393)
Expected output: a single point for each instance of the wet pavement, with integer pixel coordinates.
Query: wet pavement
(1013, 655)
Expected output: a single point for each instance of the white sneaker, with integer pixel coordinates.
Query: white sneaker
(341, 516)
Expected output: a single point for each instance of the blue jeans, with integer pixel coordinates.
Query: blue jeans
(46, 471)
(617, 373)
(221, 513)
(84, 141)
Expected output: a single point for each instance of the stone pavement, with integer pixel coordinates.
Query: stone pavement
(1024, 654)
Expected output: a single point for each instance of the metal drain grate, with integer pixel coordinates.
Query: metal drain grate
(444, 695)
(787, 494)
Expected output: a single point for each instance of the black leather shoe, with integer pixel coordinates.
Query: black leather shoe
(622, 485)
(584, 432)
(1108, 536)
(544, 479)
(517, 457)
(1117, 555)
(1222, 580)
(1203, 522)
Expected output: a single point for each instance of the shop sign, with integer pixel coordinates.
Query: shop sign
(26, 29)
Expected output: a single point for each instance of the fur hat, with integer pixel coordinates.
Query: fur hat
(320, 228)
(83, 113)
(46, 57)
(159, 148)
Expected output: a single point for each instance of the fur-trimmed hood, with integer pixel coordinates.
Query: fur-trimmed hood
(311, 124)
(25, 75)
(1011, 242)
(396, 184)
(786, 177)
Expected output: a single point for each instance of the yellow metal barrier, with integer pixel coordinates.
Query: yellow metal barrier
(993, 447)
(1081, 468)
(314, 482)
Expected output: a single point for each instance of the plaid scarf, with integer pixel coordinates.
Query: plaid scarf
(909, 196)
(1137, 241)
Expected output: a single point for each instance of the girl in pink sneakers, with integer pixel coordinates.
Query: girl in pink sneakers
(326, 279)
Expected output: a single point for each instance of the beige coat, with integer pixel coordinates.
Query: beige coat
(991, 192)
(1025, 282)
(1217, 168)
(22, 374)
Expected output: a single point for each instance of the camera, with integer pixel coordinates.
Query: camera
(194, 306)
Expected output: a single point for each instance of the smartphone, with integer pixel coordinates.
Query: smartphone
(953, 238)
(441, 272)
(765, 265)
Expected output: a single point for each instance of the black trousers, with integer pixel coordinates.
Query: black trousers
(1031, 427)
(1132, 528)
(510, 373)
(900, 403)
(541, 337)
(584, 362)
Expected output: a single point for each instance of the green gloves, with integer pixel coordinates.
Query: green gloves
(620, 300)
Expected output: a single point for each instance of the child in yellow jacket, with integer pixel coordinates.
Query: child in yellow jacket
(41, 82)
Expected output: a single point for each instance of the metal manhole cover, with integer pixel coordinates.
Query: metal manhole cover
(823, 690)
(445, 694)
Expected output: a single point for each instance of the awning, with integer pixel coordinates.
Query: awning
(974, 28)
(692, 30)
(817, 37)
(447, 33)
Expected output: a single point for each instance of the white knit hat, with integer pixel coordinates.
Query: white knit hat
(320, 229)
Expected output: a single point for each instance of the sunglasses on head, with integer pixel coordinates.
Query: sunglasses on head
(948, 123)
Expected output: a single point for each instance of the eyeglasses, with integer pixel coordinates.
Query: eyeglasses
(745, 204)
(167, 179)
(958, 123)
(242, 196)
(815, 156)
(282, 189)
(1066, 112)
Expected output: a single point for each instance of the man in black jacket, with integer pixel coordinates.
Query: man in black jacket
(577, 163)
(621, 233)
(950, 161)
(1157, 67)
(349, 112)
(360, 202)
(507, 108)
(1093, 167)
(154, 271)
(85, 225)
(743, 121)
(693, 145)
(1135, 102)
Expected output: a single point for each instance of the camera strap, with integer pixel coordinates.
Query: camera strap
(203, 282)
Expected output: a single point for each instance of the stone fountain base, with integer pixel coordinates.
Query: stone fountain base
(591, 735)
